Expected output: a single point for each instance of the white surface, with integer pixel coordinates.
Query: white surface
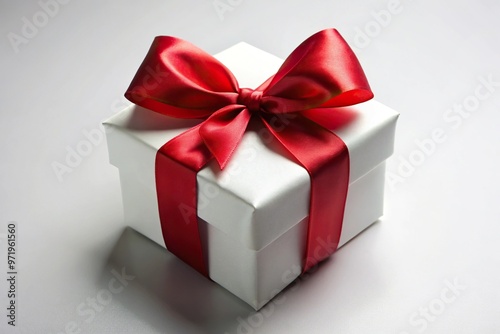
(441, 223)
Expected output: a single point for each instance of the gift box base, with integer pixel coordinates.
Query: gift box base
(255, 276)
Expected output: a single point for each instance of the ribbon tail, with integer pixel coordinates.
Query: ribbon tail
(177, 163)
(326, 159)
(223, 130)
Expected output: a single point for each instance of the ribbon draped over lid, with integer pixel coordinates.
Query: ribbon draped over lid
(180, 80)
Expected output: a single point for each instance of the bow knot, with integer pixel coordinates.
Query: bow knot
(250, 98)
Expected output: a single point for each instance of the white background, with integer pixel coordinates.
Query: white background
(442, 222)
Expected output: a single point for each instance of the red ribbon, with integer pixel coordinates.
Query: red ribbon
(180, 80)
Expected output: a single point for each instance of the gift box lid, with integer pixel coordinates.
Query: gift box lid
(261, 193)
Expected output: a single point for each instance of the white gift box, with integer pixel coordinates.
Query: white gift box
(253, 214)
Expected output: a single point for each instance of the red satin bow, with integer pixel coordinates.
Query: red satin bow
(180, 80)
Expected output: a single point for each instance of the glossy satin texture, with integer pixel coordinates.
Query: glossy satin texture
(180, 80)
